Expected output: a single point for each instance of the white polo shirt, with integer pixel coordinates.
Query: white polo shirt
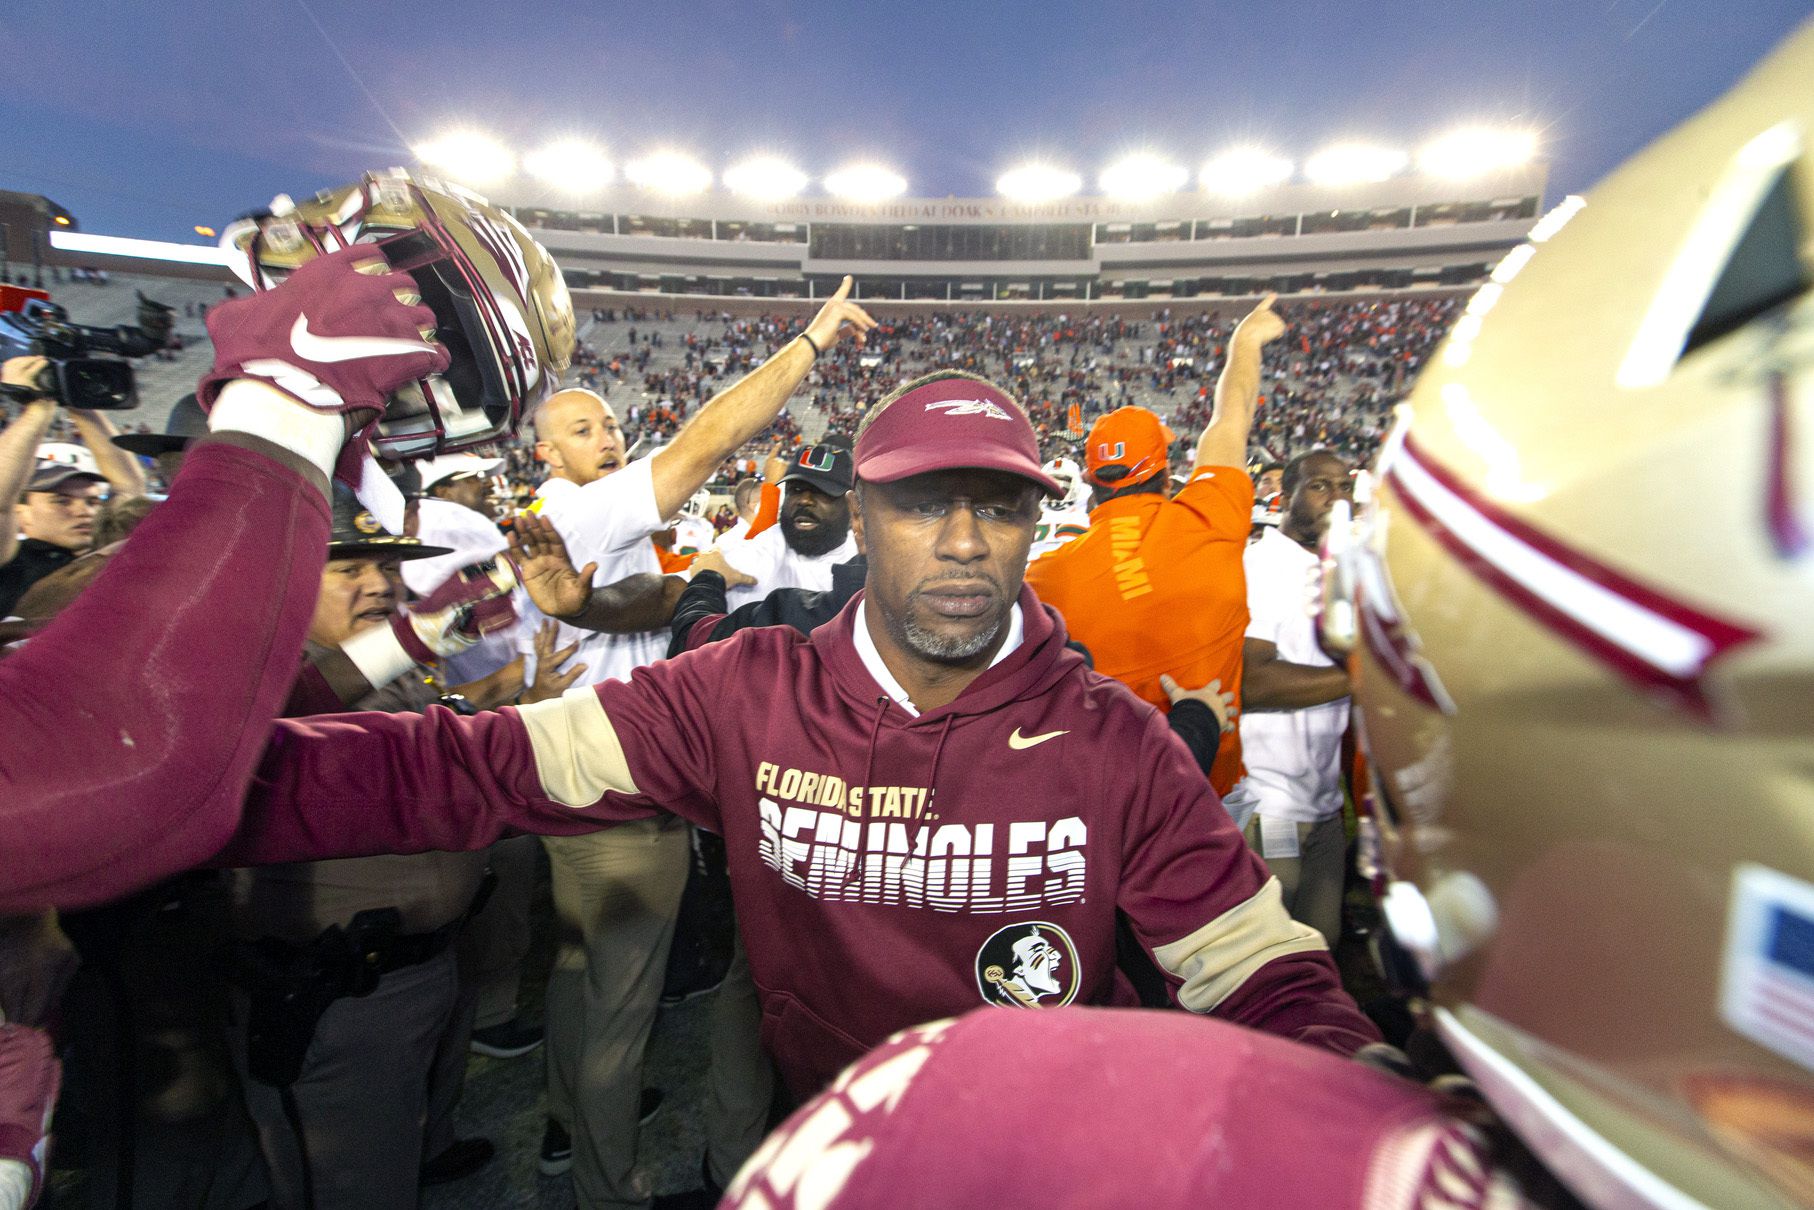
(775, 564)
(608, 521)
(1293, 757)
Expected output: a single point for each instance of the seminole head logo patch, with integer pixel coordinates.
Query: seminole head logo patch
(1032, 964)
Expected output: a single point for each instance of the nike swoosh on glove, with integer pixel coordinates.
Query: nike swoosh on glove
(471, 603)
(29, 1078)
(340, 334)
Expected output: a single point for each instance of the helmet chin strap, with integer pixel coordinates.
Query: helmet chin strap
(380, 495)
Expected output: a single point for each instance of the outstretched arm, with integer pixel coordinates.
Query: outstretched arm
(732, 418)
(1224, 442)
(639, 602)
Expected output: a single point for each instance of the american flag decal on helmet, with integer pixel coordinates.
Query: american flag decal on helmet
(1657, 642)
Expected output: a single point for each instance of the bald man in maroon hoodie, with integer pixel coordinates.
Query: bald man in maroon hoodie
(928, 804)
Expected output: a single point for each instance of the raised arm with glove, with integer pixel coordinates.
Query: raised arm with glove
(136, 766)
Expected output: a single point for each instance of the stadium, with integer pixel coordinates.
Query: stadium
(1361, 236)
(556, 671)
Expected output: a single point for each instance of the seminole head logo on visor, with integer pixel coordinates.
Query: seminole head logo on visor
(1028, 965)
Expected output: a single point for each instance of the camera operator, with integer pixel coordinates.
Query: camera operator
(54, 505)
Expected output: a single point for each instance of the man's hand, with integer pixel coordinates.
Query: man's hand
(471, 603)
(1220, 704)
(550, 680)
(1262, 325)
(714, 560)
(836, 318)
(339, 335)
(774, 467)
(546, 570)
(27, 373)
(29, 1079)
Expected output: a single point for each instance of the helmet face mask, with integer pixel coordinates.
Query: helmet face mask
(501, 303)
(1070, 477)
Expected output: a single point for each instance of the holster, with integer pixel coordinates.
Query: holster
(290, 986)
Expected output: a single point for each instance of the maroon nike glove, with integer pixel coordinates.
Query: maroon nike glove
(334, 336)
(29, 1077)
(471, 603)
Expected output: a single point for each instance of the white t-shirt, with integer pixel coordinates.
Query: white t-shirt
(775, 564)
(473, 538)
(608, 521)
(1293, 757)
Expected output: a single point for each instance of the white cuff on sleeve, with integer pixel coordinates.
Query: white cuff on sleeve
(377, 655)
(248, 406)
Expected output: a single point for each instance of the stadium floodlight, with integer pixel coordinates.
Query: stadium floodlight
(1245, 170)
(765, 178)
(570, 165)
(670, 172)
(866, 183)
(1038, 183)
(1142, 175)
(1476, 151)
(467, 156)
(1353, 164)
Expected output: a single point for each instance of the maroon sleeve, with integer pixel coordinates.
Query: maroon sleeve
(130, 725)
(1208, 911)
(352, 785)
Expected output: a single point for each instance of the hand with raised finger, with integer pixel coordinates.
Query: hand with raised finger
(1262, 324)
(546, 569)
(837, 318)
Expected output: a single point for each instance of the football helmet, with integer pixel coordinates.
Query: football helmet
(1579, 604)
(1070, 477)
(501, 301)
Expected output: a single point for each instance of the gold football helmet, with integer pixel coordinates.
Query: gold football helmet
(1581, 606)
(501, 301)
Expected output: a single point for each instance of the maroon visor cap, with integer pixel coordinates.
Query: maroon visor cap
(951, 424)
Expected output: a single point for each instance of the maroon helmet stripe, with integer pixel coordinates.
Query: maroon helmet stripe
(1566, 613)
(1786, 530)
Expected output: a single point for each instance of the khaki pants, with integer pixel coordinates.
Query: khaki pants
(1311, 881)
(616, 892)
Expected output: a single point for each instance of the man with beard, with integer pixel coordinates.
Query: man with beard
(902, 792)
(1295, 710)
(814, 531)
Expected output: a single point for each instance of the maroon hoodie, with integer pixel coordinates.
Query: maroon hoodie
(888, 869)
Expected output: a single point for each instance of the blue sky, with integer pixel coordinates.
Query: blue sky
(146, 118)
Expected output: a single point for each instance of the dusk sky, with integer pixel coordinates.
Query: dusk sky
(147, 118)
